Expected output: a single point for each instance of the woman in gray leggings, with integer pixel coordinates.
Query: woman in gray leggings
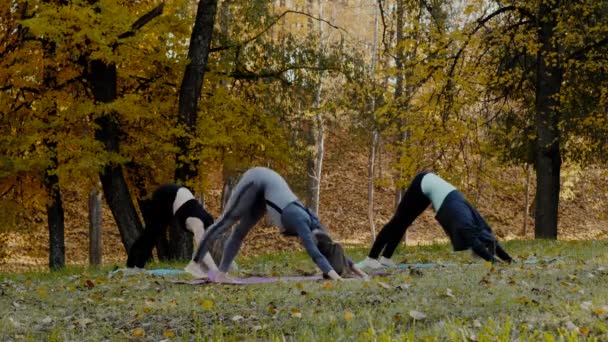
(262, 190)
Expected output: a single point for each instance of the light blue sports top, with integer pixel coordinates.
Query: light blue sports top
(436, 189)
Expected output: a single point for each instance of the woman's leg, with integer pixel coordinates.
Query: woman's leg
(234, 242)
(413, 203)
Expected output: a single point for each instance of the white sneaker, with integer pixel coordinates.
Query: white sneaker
(195, 270)
(369, 263)
(387, 262)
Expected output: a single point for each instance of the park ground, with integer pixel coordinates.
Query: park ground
(555, 291)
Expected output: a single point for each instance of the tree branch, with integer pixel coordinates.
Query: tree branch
(383, 25)
(143, 20)
(256, 36)
(579, 54)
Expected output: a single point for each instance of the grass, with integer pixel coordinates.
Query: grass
(564, 300)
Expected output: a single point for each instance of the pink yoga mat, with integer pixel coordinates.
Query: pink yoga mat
(251, 280)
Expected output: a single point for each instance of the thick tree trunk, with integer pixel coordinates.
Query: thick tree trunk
(102, 80)
(190, 90)
(95, 243)
(189, 95)
(548, 155)
(54, 208)
(54, 212)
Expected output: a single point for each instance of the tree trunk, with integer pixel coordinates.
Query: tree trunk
(399, 80)
(180, 242)
(54, 207)
(95, 242)
(317, 131)
(102, 80)
(54, 210)
(527, 201)
(190, 90)
(548, 155)
(374, 140)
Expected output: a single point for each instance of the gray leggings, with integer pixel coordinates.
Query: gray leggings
(248, 208)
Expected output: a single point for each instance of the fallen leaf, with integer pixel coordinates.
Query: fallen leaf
(348, 315)
(327, 285)
(89, 284)
(600, 310)
(571, 326)
(138, 332)
(206, 303)
(384, 285)
(168, 333)
(584, 331)
(403, 286)
(586, 305)
(83, 322)
(448, 292)
(236, 318)
(47, 320)
(417, 315)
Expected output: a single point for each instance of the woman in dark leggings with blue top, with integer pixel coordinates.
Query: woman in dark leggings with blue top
(461, 222)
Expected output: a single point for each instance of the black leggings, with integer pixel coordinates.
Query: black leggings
(413, 203)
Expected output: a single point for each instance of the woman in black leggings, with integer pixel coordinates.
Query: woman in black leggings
(463, 224)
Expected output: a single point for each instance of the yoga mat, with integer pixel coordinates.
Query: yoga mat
(252, 280)
(427, 265)
(156, 272)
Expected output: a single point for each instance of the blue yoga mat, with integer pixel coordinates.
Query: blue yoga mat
(156, 272)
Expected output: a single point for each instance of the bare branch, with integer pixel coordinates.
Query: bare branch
(259, 34)
(383, 25)
(143, 20)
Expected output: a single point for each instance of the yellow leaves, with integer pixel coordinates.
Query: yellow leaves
(295, 313)
(138, 332)
(42, 292)
(168, 333)
(206, 303)
(348, 315)
(328, 285)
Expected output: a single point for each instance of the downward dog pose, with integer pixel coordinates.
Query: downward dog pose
(169, 202)
(461, 222)
(261, 189)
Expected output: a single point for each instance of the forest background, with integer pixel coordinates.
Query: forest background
(101, 101)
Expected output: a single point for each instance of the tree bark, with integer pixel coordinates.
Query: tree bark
(190, 91)
(54, 209)
(317, 129)
(95, 241)
(548, 154)
(399, 86)
(374, 138)
(102, 80)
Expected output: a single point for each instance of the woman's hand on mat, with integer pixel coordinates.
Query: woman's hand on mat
(359, 273)
(334, 275)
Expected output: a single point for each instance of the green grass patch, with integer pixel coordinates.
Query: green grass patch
(563, 300)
